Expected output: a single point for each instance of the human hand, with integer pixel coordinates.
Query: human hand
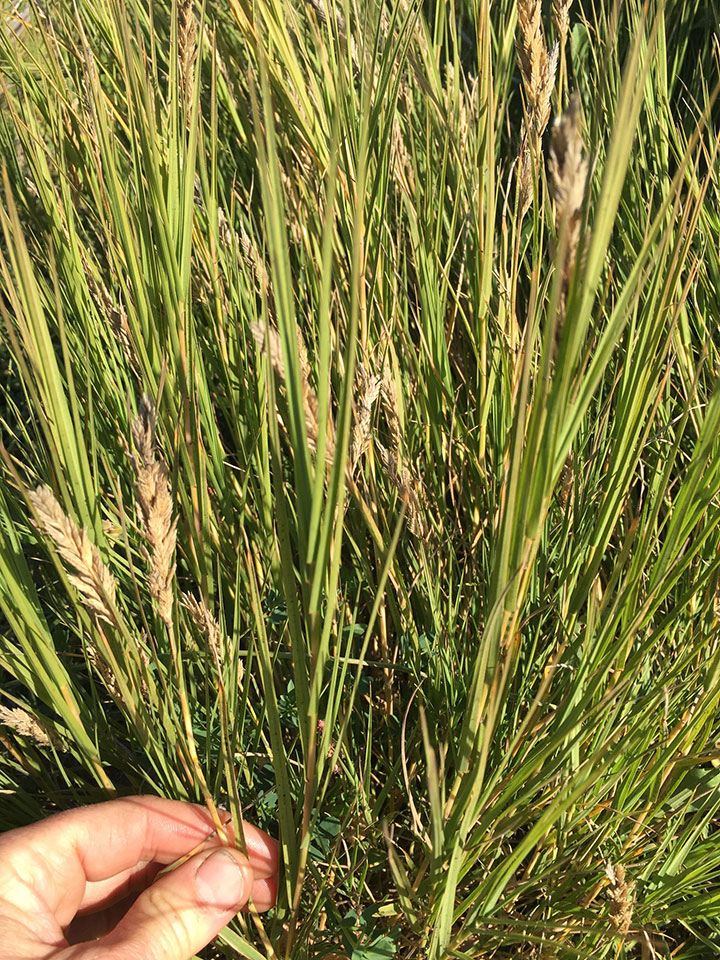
(89, 872)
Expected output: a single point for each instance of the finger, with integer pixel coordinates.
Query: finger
(185, 909)
(100, 894)
(90, 926)
(57, 856)
(264, 894)
(262, 851)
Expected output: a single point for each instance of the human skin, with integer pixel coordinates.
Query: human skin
(91, 873)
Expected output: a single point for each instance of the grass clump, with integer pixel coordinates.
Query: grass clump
(360, 456)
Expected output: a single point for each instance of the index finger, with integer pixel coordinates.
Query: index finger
(58, 856)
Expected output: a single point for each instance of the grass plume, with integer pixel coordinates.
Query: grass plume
(568, 169)
(537, 64)
(87, 571)
(538, 67)
(26, 725)
(187, 53)
(622, 899)
(154, 497)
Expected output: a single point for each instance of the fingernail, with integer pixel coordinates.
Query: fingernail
(220, 881)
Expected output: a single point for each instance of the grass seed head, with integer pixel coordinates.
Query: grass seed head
(568, 170)
(116, 316)
(205, 623)
(104, 670)
(561, 16)
(568, 167)
(90, 576)
(310, 400)
(152, 488)
(272, 345)
(524, 177)
(367, 391)
(26, 725)
(622, 899)
(538, 66)
(405, 482)
(187, 53)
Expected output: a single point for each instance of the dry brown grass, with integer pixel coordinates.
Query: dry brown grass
(155, 502)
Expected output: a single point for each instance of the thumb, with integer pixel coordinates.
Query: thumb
(184, 910)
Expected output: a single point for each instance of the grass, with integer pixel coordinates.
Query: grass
(360, 462)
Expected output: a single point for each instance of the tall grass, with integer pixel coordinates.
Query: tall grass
(360, 462)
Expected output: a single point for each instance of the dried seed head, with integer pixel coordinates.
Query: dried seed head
(187, 53)
(366, 393)
(561, 16)
(225, 230)
(94, 582)
(568, 168)
(103, 668)
(524, 177)
(102, 665)
(26, 725)
(143, 431)
(565, 484)
(405, 483)
(320, 8)
(568, 171)
(399, 474)
(272, 344)
(152, 488)
(252, 258)
(391, 405)
(310, 400)
(205, 623)
(546, 89)
(622, 898)
(538, 67)
(117, 317)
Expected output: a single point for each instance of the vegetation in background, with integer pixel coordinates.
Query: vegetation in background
(360, 461)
